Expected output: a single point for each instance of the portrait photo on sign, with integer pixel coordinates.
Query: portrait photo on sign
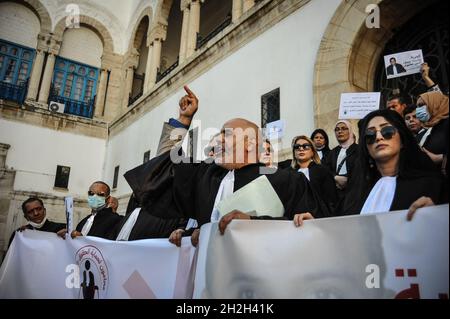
(403, 63)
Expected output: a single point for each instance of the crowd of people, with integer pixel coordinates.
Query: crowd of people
(399, 162)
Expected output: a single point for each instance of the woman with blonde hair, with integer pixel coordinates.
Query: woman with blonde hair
(306, 160)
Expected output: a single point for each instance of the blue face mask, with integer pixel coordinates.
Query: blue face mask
(422, 114)
(96, 202)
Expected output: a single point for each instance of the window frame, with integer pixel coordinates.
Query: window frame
(58, 176)
(116, 177)
(19, 59)
(76, 76)
(266, 107)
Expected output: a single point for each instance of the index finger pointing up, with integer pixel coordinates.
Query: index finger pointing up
(189, 92)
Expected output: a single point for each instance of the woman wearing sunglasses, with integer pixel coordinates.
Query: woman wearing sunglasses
(392, 173)
(307, 161)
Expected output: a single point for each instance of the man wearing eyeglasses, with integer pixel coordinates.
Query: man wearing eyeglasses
(102, 220)
(36, 215)
(198, 188)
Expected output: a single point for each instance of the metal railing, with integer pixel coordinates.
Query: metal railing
(133, 99)
(201, 41)
(74, 107)
(12, 92)
(160, 76)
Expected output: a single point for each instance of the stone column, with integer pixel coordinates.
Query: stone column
(157, 36)
(248, 4)
(47, 79)
(194, 27)
(128, 86)
(156, 60)
(101, 91)
(237, 10)
(35, 77)
(148, 69)
(131, 62)
(184, 30)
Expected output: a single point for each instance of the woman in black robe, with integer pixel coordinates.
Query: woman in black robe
(416, 176)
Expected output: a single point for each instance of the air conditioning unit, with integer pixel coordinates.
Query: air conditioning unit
(56, 107)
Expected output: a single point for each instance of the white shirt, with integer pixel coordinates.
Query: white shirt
(341, 157)
(87, 226)
(320, 154)
(381, 196)
(305, 171)
(226, 188)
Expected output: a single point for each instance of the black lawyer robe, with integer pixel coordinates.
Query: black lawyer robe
(152, 191)
(409, 188)
(104, 223)
(48, 226)
(196, 186)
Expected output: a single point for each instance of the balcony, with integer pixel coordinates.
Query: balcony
(162, 75)
(201, 41)
(15, 93)
(74, 107)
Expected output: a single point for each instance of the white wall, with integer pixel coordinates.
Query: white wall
(82, 45)
(18, 24)
(284, 56)
(35, 152)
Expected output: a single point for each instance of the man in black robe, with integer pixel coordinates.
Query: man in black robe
(35, 213)
(196, 187)
(102, 221)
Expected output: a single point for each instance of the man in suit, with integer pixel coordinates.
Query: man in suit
(395, 68)
(102, 220)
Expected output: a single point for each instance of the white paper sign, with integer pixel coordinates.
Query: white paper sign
(355, 106)
(69, 213)
(275, 130)
(258, 197)
(403, 63)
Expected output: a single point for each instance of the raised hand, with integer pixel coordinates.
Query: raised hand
(188, 107)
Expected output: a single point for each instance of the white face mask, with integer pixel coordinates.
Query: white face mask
(38, 226)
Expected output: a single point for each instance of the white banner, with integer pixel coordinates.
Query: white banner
(373, 256)
(41, 265)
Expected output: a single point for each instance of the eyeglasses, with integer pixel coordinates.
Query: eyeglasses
(306, 147)
(91, 193)
(344, 128)
(387, 132)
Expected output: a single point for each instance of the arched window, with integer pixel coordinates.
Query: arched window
(76, 71)
(15, 68)
(75, 84)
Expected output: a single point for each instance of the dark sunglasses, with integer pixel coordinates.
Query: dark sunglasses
(302, 146)
(387, 132)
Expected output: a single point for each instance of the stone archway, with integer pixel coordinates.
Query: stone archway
(39, 10)
(95, 25)
(349, 52)
(147, 12)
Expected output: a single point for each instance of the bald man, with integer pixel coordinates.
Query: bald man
(197, 188)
